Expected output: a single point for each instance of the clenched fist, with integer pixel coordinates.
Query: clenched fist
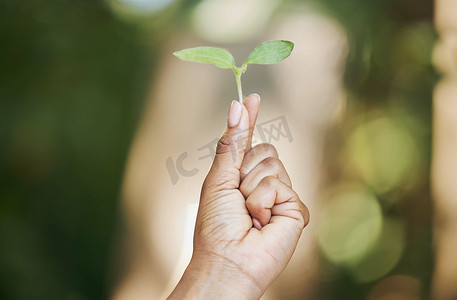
(249, 219)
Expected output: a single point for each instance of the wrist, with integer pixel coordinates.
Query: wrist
(214, 277)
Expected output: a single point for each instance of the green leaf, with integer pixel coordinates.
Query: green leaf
(210, 55)
(270, 53)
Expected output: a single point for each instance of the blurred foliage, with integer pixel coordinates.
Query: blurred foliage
(387, 138)
(73, 76)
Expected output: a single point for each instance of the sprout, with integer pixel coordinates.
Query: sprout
(266, 53)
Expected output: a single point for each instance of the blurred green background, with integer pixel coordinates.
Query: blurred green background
(74, 75)
(72, 80)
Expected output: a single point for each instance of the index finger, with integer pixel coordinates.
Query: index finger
(252, 103)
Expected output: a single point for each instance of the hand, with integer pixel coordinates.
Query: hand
(249, 219)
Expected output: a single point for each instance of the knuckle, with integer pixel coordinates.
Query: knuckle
(267, 149)
(272, 163)
(268, 181)
(270, 149)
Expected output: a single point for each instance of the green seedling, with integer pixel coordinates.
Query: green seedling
(266, 53)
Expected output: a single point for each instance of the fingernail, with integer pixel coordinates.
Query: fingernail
(255, 95)
(256, 223)
(234, 114)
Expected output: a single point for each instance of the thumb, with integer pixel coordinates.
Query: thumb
(225, 170)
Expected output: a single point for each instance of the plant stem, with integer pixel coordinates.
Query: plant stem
(238, 85)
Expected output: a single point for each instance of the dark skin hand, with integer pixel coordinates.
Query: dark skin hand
(249, 219)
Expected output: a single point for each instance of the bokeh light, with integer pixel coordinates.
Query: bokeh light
(383, 151)
(350, 223)
(383, 257)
